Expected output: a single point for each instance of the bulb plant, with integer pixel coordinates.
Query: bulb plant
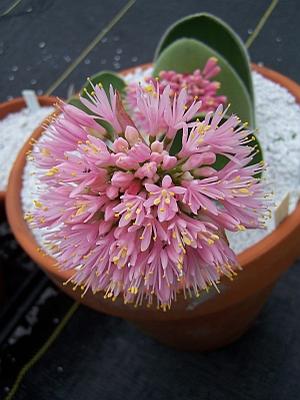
(141, 183)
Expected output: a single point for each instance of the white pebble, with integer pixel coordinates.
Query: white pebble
(15, 129)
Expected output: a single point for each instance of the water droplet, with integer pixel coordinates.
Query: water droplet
(28, 68)
(60, 369)
(67, 59)
(11, 77)
(134, 59)
(14, 68)
(250, 31)
(278, 39)
(9, 98)
(87, 61)
(103, 61)
(39, 92)
(119, 51)
(55, 321)
(33, 81)
(42, 45)
(116, 65)
(29, 9)
(116, 38)
(117, 58)
(260, 64)
(104, 40)
(6, 389)
(279, 59)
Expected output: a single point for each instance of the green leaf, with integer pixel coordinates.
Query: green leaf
(216, 34)
(186, 55)
(106, 78)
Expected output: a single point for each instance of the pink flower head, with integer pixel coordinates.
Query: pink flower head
(132, 219)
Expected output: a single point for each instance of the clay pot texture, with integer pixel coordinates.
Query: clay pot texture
(15, 105)
(211, 321)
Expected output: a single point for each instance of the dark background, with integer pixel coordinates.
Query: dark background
(100, 357)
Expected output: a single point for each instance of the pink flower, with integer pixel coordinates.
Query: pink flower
(129, 218)
(163, 198)
(176, 114)
(131, 209)
(103, 107)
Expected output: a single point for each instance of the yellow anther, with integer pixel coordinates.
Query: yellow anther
(37, 204)
(127, 216)
(244, 190)
(81, 210)
(215, 237)
(187, 240)
(45, 151)
(149, 89)
(28, 217)
(52, 171)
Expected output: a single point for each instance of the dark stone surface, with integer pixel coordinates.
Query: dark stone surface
(278, 44)
(41, 38)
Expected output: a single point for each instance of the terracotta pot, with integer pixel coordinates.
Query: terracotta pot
(206, 323)
(15, 105)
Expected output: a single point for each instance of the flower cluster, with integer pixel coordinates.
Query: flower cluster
(130, 216)
(199, 86)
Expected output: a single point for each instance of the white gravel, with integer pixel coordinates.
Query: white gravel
(278, 120)
(15, 129)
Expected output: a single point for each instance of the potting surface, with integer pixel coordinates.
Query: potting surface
(52, 348)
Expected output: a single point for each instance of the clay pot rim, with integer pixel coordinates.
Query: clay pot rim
(247, 258)
(17, 104)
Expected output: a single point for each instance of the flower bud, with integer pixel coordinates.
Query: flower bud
(132, 135)
(112, 192)
(157, 146)
(147, 170)
(120, 145)
(121, 179)
(169, 162)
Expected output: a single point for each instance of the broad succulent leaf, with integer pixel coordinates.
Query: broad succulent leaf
(216, 34)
